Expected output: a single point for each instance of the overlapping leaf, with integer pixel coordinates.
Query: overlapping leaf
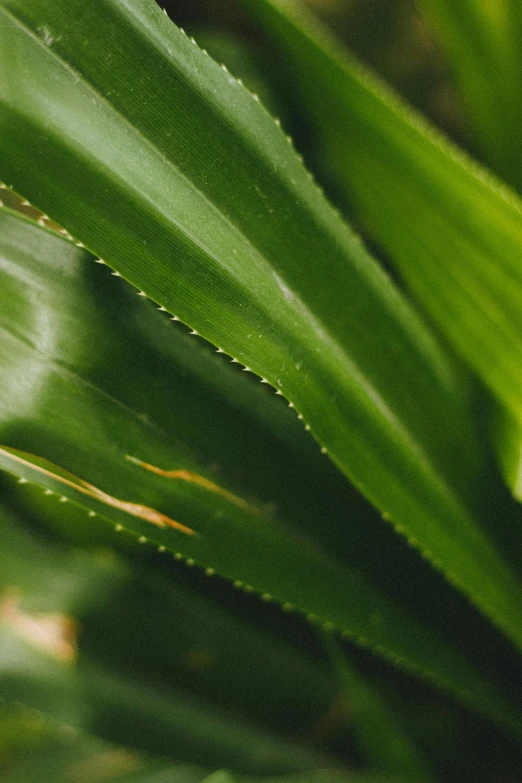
(384, 743)
(54, 326)
(61, 654)
(35, 749)
(454, 232)
(155, 158)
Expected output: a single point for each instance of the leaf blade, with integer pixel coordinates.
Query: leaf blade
(481, 45)
(75, 421)
(452, 230)
(143, 235)
(384, 742)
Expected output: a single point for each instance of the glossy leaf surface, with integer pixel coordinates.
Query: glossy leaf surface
(137, 162)
(85, 435)
(452, 230)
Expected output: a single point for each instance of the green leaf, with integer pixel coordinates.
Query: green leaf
(315, 776)
(41, 593)
(165, 774)
(55, 615)
(188, 728)
(35, 749)
(96, 323)
(384, 743)
(50, 401)
(452, 230)
(240, 61)
(158, 160)
(482, 41)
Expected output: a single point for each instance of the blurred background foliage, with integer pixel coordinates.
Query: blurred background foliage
(119, 664)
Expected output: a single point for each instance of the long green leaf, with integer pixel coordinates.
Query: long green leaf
(155, 158)
(76, 437)
(384, 744)
(454, 232)
(483, 44)
(199, 398)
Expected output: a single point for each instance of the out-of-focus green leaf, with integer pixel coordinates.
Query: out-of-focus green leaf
(53, 611)
(220, 776)
(452, 230)
(315, 776)
(191, 729)
(158, 160)
(41, 593)
(482, 40)
(35, 749)
(51, 403)
(165, 774)
(332, 776)
(221, 659)
(384, 744)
